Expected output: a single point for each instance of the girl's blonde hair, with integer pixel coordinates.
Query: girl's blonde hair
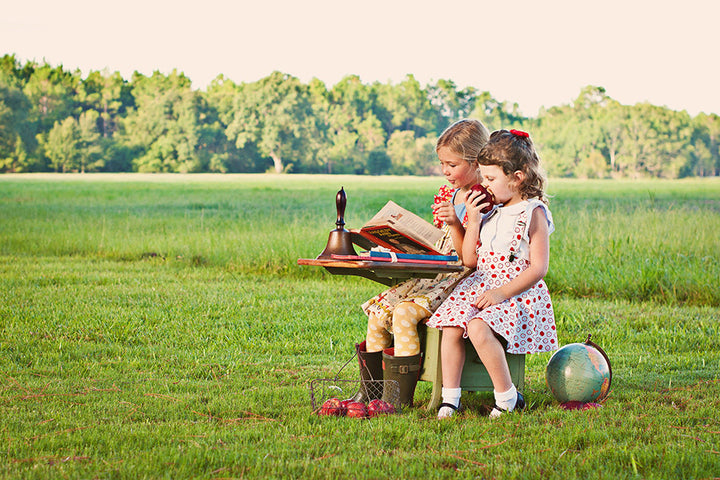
(512, 151)
(465, 138)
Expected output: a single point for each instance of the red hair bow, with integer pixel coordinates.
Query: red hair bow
(520, 133)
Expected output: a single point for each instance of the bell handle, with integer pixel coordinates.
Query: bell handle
(340, 203)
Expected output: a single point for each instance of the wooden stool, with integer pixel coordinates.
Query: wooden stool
(474, 377)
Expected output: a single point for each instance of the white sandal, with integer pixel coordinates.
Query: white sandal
(519, 406)
(447, 410)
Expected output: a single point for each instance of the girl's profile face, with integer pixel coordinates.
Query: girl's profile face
(458, 172)
(502, 186)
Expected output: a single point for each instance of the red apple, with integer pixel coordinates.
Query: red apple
(489, 198)
(331, 407)
(380, 407)
(344, 406)
(357, 410)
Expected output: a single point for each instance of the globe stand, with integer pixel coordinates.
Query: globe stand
(339, 242)
(602, 352)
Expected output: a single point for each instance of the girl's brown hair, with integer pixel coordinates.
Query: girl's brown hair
(513, 151)
(465, 138)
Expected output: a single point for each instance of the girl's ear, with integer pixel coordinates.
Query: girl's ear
(518, 176)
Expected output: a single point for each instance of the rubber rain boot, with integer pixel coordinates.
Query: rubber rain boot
(371, 374)
(405, 371)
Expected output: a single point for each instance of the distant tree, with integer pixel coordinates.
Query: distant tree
(405, 107)
(275, 114)
(356, 98)
(589, 98)
(427, 163)
(449, 103)
(347, 128)
(371, 136)
(52, 94)
(160, 124)
(379, 162)
(494, 113)
(593, 166)
(654, 141)
(705, 160)
(571, 137)
(17, 160)
(554, 137)
(61, 145)
(164, 125)
(612, 120)
(14, 108)
(401, 150)
(90, 147)
(220, 97)
(17, 132)
(107, 93)
(410, 155)
(216, 113)
(10, 68)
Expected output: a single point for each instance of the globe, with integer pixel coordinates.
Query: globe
(579, 372)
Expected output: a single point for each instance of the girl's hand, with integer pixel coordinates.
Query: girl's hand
(489, 298)
(445, 211)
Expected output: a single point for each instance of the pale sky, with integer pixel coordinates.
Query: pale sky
(532, 52)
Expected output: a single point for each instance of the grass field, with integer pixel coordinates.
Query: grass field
(158, 326)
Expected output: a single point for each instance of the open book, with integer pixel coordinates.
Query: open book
(399, 230)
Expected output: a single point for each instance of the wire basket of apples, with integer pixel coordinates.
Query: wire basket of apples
(339, 398)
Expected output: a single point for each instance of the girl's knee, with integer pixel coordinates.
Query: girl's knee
(410, 312)
(452, 335)
(479, 331)
(407, 315)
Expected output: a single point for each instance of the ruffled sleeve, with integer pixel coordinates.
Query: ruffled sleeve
(534, 203)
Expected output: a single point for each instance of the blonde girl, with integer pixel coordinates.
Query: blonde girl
(391, 349)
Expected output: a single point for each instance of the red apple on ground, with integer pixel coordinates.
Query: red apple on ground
(380, 407)
(357, 410)
(331, 407)
(344, 406)
(489, 198)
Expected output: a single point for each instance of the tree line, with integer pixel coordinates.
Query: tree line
(52, 119)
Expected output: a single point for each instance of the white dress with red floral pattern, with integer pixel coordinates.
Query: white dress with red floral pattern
(525, 321)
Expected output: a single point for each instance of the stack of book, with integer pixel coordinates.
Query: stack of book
(400, 258)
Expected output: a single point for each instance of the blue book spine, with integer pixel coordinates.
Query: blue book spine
(414, 256)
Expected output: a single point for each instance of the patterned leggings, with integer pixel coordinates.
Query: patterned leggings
(405, 319)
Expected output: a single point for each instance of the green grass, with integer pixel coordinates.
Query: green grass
(159, 327)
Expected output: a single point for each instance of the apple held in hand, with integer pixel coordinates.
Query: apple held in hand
(331, 408)
(357, 410)
(489, 198)
(380, 407)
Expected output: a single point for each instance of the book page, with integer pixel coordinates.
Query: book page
(406, 222)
